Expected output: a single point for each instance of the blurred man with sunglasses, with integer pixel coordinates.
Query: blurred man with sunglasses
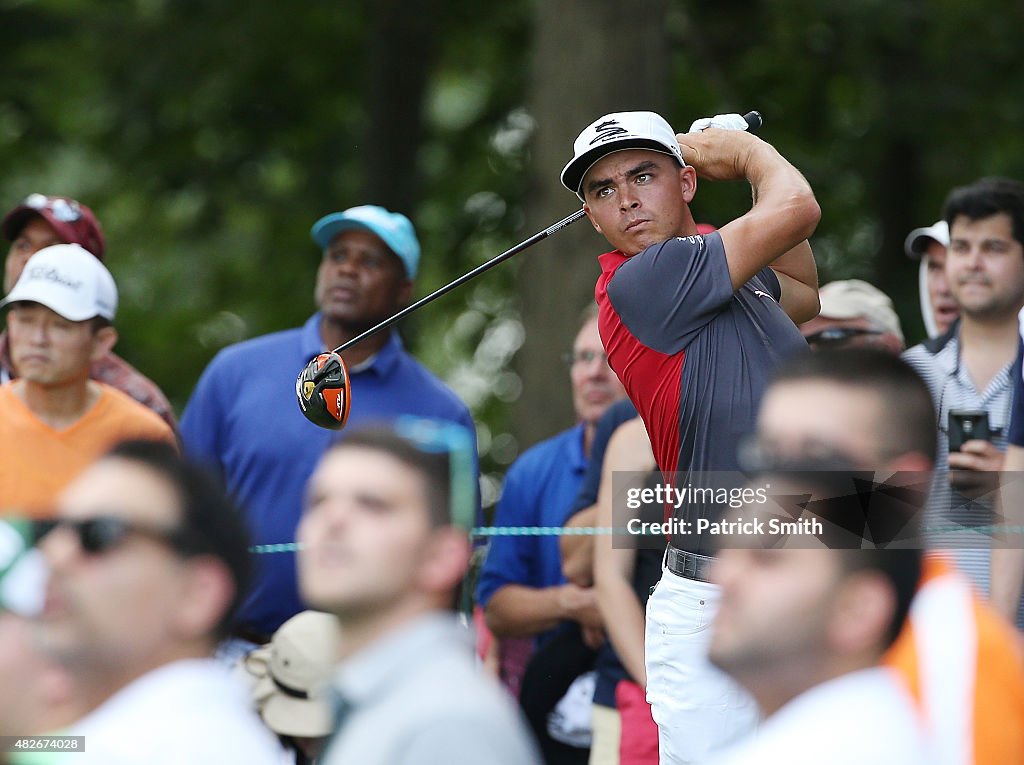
(854, 314)
(384, 547)
(44, 700)
(869, 411)
(40, 221)
(147, 560)
(54, 419)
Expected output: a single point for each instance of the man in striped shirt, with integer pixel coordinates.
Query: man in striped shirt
(968, 368)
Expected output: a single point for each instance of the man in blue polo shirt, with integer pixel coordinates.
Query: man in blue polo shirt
(521, 586)
(693, 326)
(242, 418)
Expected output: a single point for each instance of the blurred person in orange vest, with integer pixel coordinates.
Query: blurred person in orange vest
(960, 659)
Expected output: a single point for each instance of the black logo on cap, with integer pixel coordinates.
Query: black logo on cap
(607, 131)
(50, 274)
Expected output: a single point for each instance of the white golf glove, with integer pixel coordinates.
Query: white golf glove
(722, 121)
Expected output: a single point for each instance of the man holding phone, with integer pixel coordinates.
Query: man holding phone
(968, 368)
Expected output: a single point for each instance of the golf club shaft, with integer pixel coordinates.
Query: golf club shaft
(754, 122)
(463, 279)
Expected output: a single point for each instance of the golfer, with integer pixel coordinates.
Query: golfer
(693, 325)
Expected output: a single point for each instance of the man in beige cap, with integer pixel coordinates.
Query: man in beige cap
(58, 322)
(854, 314)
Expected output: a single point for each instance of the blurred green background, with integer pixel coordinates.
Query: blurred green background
(208, 136)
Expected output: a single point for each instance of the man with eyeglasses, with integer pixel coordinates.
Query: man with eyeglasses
(54, 419)
(40, 221)
(385, 545)
(854, 314)
(521, 586)
(968, 370)
(147, 560)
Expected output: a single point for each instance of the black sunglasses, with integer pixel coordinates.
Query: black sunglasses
(104, 533)
(839, 335)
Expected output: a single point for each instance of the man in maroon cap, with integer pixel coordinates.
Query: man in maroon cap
(40, 221)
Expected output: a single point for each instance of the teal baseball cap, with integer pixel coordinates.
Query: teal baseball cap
(394, 229)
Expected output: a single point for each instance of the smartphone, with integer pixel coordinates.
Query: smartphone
(967, 425)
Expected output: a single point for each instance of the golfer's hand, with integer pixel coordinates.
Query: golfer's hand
(721, 121)
(974, 470)
(720, 155)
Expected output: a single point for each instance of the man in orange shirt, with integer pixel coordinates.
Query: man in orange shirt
(39, 221)
(866, 409)
(54, 420)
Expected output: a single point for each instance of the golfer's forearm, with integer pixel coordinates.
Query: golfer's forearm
(775, 184)
(798, 278)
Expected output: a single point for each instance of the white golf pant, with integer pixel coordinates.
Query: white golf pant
(698, 708)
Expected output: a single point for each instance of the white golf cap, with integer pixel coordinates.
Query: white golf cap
(918, 239)
(618, 132)
(68, 280)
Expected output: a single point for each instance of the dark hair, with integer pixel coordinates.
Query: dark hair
(901, 569)
(210, 522)
(987, 197)
(907, 405)
(433, 466)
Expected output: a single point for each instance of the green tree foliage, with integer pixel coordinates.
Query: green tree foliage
(208, 136)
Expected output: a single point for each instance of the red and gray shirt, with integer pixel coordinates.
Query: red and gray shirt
(694, 356)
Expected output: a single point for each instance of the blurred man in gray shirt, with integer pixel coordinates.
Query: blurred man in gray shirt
(384, 547)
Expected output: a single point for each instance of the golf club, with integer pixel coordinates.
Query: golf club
(322, 387)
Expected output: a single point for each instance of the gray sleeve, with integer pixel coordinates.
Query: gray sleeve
(462, 741)
(768, 280)
(670, 291)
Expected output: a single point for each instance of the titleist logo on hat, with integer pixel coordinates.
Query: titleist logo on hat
(49, 274)
(68, 280)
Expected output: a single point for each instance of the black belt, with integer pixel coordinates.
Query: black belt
(250, 635)
(688, 565)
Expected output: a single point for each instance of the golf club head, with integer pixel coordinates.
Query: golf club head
(322, 389)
